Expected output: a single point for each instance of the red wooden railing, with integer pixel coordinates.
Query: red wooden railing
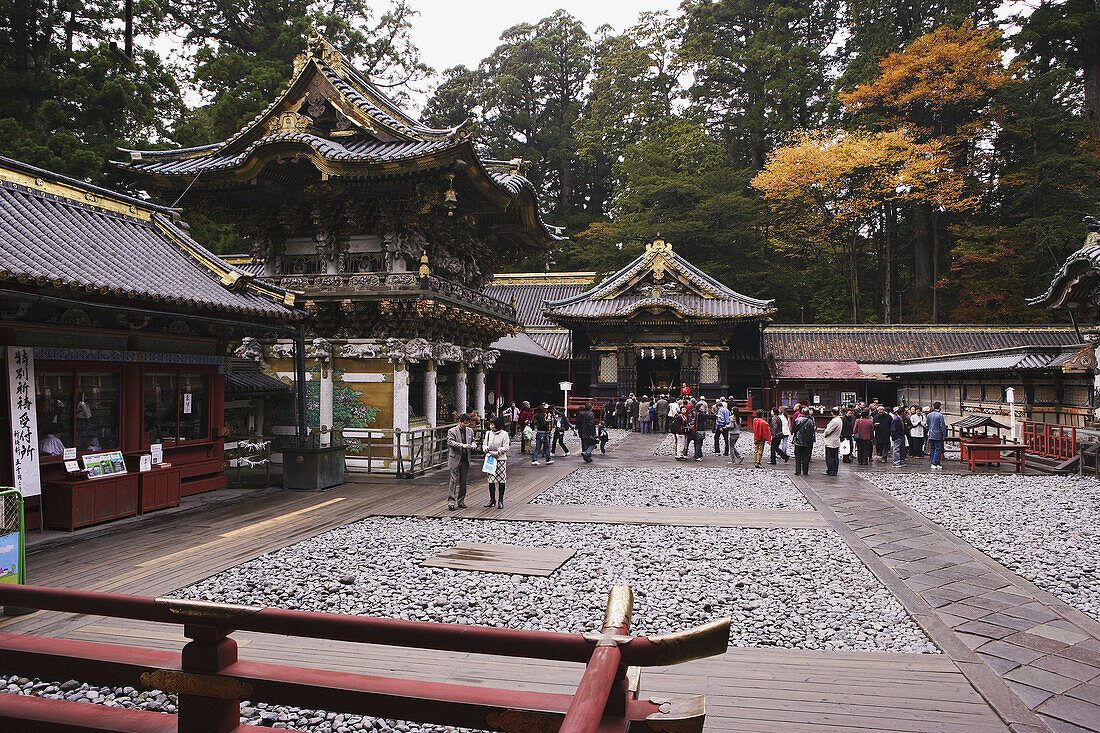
(1052, 441)
(211, 681)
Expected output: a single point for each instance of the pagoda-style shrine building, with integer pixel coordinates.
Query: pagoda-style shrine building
(387, 228)
(660, 322)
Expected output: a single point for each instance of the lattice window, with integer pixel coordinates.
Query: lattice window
(708, 369)
(973, 392)
(609, 368)
(1076, 394)
(1046, 393)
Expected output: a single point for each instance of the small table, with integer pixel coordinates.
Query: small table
(993, 453)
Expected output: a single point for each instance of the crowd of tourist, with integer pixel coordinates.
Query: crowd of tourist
(861, 432)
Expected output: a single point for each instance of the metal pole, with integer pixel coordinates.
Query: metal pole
(300, 429)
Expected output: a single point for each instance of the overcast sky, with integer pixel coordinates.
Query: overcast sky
(449, 33)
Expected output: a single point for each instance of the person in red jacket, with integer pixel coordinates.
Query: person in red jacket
(761, 434)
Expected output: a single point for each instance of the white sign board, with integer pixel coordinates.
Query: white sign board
(156, 450)
(146, 463)
(24, 421)
(187, 403)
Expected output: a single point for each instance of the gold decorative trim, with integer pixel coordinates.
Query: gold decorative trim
(75, 194)
(206, 609)
(678, 714)
(200, 685)
(620, 606)
(707, 640)
(539, 278)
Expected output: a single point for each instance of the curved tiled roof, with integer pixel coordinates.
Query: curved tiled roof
(610, 298)
(380, 140)
(366, 151)
(1077, 276)
(888, 344)
(530, 299)
(88, 242)
(557, 343)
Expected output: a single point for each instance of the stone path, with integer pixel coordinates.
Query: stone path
(1033, 657)
(1014, 656)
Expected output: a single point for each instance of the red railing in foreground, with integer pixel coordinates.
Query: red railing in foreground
(210, 680)
(1052, 441)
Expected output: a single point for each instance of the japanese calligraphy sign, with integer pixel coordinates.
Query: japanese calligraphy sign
(24, 421)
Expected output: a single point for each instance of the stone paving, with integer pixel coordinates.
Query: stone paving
(1044, 655)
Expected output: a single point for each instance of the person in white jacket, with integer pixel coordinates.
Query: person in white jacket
(495, 444)
(832, 443)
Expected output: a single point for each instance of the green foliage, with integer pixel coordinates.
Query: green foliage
(760, 68)
(621, 151)
(68, 99)
(877, 28)
(243, 52)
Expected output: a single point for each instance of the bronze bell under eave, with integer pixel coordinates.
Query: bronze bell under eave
(450, 196)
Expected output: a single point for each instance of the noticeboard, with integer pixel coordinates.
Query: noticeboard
(99, 465)
(11, 536)
(24, 421)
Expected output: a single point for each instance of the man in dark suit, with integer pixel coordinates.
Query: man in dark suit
(460, 441)
(586, 428)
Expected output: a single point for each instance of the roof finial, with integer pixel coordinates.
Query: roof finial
(659, 245)
(425, 271)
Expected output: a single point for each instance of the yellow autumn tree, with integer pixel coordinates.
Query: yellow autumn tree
(942, 88)
(828, 188)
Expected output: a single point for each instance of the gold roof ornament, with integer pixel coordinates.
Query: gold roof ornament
(659, 245)
(425, 271)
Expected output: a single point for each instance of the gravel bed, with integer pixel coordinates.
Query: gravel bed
(800, 589)
(794, 588)
(1046, 528)
(260, 714)
(676, 485)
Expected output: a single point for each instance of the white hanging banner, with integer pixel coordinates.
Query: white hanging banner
(24, 421)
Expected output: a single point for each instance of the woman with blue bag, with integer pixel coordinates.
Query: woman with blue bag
(496, 445)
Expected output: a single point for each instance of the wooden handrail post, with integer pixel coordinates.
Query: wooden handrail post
(208, 653)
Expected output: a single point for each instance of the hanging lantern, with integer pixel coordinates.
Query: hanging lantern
(450, 197)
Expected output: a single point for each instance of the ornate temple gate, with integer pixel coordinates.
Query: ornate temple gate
(661, 305)
(210, 680)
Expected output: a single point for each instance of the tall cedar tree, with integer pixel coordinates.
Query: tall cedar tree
(69, 101)
(877, 28)
(635, 82)
(760, 69)
(243, 51)
(1071, 31)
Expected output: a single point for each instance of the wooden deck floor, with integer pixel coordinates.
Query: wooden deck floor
(772, 690)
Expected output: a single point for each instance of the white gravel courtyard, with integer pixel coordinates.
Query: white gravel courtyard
(1046, 528)
(792, 588)
(676, 485)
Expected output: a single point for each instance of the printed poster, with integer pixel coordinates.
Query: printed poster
(104, 464)
(24, 421)
(9, 558)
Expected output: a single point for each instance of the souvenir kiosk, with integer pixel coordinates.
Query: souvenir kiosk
(115, 328)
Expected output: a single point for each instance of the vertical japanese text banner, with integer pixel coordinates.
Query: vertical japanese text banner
(24, 421)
